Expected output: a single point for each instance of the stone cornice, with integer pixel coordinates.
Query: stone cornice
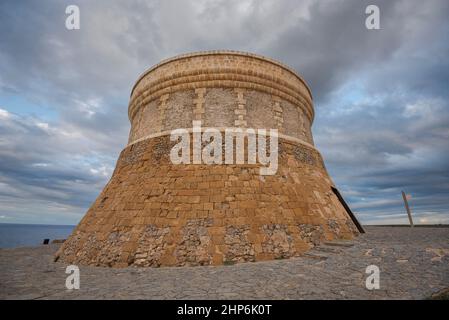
(222, 130)
(221, 52)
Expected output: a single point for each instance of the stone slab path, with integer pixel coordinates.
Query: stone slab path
(414, 264)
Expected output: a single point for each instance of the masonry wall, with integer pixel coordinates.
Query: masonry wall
(154, 213)
(222, 89)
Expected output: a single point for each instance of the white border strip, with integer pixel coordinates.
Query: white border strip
(222, 129)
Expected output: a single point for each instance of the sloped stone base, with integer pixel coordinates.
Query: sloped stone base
(153, 213)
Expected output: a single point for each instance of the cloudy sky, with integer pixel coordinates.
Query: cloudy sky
(381, 96)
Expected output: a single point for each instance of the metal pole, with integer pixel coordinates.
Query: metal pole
(407, 208)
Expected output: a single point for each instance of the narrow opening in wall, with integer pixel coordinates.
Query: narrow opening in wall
(348, 210)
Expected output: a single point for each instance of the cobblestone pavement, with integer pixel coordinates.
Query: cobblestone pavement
(414, 264)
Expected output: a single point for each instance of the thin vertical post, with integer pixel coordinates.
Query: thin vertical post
(407, 208)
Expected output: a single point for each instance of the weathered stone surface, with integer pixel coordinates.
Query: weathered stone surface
(313, 234)
(278, 241)
(150, 247)
(154, 213)
(239, 248)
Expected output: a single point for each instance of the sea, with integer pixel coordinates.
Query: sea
(25, 235)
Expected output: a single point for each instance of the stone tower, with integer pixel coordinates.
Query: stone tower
(156, 213)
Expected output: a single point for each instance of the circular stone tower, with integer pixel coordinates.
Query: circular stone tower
(157, 213)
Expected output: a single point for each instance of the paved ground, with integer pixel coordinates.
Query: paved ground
(414, 264)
